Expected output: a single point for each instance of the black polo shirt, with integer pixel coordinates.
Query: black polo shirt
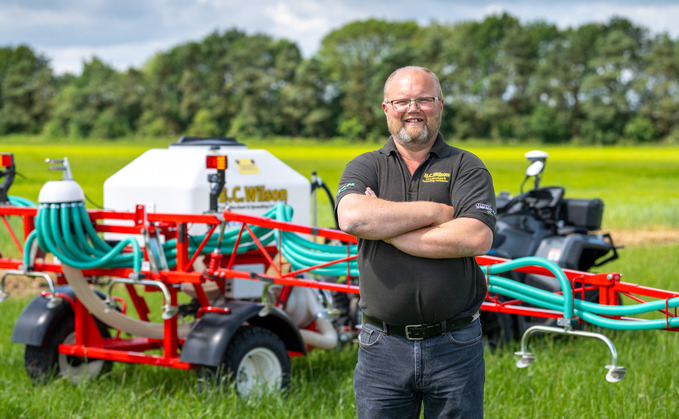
(401, 289)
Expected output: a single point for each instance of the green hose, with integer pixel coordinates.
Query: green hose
(303, 254)
(27, 247)
(544, 263)
(586, 310)
(91, 232)
(55, 243)
(19, 201)
(586, 305)
(77, 221)
(66, 231)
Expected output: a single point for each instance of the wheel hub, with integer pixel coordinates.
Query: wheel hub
(259, 371)
(77, 368)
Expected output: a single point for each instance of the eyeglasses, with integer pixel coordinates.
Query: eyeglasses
(424, 103)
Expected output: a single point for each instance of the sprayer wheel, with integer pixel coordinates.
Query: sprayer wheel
(256, 360)
(43, 363)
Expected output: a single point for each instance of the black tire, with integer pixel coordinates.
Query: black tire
(254, 354)
(42, 363)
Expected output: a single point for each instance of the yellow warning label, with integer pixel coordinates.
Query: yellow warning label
(247, 166)
(436, 177)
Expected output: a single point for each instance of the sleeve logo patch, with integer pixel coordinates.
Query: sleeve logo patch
(486, 208)
(436, 177)
(348, 185)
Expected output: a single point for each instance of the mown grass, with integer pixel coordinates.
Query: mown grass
(566, 380)
(638, 186)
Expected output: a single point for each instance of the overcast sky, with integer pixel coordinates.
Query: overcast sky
(127, 33)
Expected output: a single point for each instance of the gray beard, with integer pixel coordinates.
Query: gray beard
(402, 137)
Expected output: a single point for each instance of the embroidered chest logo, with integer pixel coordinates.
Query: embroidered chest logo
(436, 177)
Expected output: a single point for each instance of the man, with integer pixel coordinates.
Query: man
(421, 210)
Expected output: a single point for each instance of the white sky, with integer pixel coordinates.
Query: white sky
(127, 33)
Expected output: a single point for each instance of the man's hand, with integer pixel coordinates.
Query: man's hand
(446, 214)
(368, 217)
(450, 238)
(461, 237)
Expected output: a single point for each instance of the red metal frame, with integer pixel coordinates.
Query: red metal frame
(90, 343)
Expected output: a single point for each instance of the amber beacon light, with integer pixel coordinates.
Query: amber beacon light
(215, 162)
(6, 160)
(217, 180)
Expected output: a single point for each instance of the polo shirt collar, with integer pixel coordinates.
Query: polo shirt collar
(440, 148)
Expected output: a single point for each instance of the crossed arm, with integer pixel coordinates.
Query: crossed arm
(420, 228)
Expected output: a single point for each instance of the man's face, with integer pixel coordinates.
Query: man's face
(414, 127)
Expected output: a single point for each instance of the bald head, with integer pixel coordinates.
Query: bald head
(425, 70)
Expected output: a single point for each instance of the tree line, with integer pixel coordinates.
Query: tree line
(599, 83)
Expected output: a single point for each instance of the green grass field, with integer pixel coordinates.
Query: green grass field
(638, 186)
(565, 381)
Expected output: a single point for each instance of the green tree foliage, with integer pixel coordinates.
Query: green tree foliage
(608, 87)
(658, 86)
(358, 59)
(229, 83)
(599, 83)
(100, 103)
(26, 86)
(308, 107)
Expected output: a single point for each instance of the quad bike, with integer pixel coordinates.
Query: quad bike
(543, 223)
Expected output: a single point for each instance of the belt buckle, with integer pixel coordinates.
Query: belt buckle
(412, 326)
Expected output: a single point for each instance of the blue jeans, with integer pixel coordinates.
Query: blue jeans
(394, 376)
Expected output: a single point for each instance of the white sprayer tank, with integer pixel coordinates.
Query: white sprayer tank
(174, 180)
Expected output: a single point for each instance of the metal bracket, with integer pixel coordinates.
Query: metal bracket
(567, 322)
(168, 310)
(54, 300)
(155, 251)
(61, 165)
(329, 312)
(269, 299)
(615, 372)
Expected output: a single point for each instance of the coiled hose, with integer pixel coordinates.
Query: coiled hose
(590, 312)
(80, 246)
(302, 253)
(65, 230)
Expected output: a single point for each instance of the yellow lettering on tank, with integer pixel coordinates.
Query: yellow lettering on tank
(236, 198)
(254, 194)
(251, 193)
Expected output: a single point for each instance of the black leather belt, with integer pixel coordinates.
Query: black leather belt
(419, 331)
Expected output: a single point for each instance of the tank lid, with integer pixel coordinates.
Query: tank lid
(208, 142)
